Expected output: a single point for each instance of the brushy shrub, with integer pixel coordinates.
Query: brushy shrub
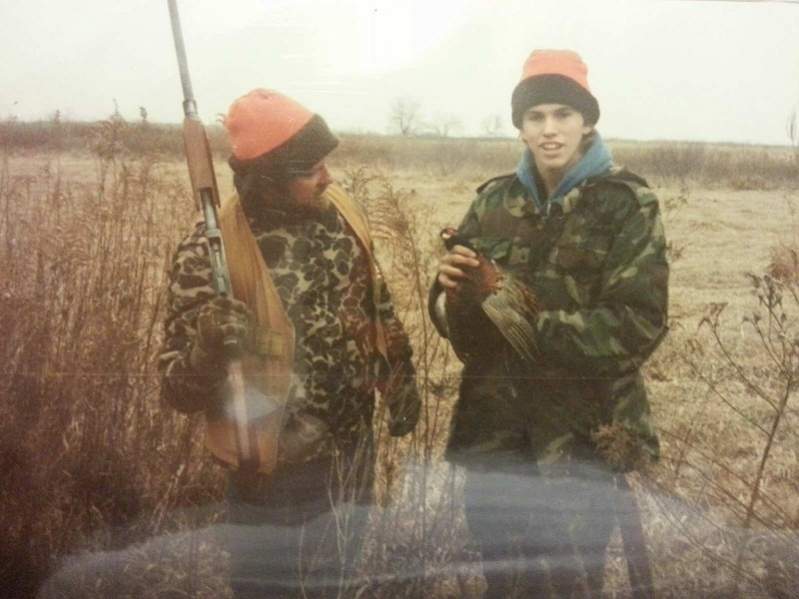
(732, 454)
(418, 529)
(91, 458)
(784, 264)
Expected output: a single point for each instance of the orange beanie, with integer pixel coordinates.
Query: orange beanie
(263, 120)
(554, 76)
(269, 131)
(556, 62)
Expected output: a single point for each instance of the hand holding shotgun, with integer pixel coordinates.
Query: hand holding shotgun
(224, 325)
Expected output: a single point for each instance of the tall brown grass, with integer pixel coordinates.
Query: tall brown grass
(417, 528)
(90, 460)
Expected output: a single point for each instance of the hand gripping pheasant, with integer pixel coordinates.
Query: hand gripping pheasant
(206, 194)
(486, 299)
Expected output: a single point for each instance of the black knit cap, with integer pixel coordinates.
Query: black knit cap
(553, 89)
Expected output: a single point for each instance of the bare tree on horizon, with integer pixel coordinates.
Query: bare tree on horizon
(404, 116)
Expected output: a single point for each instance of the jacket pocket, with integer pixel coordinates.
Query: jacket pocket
(497, 249)
(578, 257)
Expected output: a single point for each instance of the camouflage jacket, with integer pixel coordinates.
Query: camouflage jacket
(323, 278)
(566, 381)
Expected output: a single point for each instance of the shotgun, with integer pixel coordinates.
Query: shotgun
(628, 517)
(206, 196)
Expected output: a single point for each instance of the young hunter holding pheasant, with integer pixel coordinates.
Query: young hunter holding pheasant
(554, 294)
(319, 337)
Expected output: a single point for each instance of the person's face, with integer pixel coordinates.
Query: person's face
(553, 133)
(305, 189)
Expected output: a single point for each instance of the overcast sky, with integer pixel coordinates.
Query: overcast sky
(699, 70)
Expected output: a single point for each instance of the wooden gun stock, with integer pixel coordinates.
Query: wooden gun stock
(206, 197)
(198, 157)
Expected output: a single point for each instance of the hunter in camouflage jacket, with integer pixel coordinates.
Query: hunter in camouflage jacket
(565, 382)
(322, 277)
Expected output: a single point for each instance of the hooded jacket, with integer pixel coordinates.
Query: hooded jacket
(567, 382)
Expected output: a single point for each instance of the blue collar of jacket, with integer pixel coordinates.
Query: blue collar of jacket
(596, 161)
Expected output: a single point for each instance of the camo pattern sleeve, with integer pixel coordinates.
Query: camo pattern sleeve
(620, 315)
(189, 288)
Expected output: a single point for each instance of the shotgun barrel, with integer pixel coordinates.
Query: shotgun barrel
(206, 196)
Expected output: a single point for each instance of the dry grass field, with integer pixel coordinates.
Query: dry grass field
(104, 492)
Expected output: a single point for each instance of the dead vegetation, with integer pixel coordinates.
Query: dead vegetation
(91, 462)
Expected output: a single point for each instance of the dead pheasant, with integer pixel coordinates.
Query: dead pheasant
(485, 301)
(470, 331)
(478, 282)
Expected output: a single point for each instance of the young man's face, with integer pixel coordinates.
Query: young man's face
(553, 133)
(305, 189)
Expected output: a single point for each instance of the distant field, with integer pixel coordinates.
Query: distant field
(90, 460)
(714, 165)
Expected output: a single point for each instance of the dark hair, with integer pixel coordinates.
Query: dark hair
(255, 187)
(587, 140)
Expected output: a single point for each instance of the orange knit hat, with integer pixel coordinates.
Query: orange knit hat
(554, 76)
(262, 120)
(271, 132)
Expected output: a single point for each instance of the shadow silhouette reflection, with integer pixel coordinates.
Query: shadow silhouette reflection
(540, 532)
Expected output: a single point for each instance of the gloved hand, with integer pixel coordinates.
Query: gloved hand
(220, 319)
(404, 405)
